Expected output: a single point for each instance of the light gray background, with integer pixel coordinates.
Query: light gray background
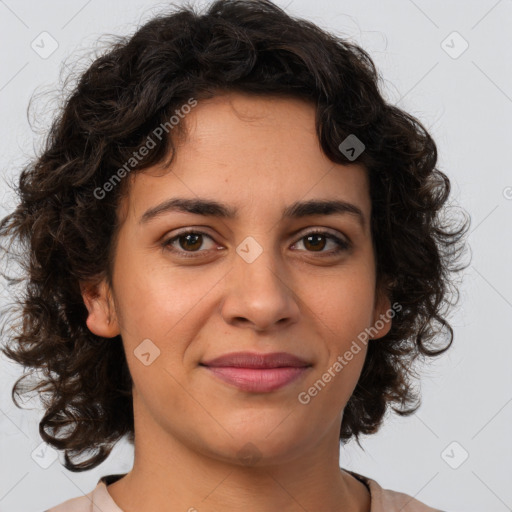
(466, 103)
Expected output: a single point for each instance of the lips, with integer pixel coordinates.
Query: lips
(254, 360)
(257, 373)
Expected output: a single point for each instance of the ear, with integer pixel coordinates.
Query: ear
(102, 319)
(382, 315)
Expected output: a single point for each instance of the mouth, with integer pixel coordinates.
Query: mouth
(257, 373)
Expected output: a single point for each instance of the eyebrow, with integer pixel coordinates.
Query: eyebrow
(211, 208)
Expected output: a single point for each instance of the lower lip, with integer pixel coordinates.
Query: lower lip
(257, 380)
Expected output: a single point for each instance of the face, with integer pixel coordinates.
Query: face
(189, 287)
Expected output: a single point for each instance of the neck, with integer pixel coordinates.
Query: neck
(172, 473)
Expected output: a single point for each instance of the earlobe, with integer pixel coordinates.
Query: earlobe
(101, 318)
(382, 317)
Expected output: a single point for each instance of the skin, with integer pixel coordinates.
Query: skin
(259, 154)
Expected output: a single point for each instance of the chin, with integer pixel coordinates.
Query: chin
(262, 444)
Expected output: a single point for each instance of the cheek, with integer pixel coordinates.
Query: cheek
(344, 303)
(343, 307)
(165, 306)
(153, 299)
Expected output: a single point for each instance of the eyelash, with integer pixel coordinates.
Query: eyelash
(342, 245)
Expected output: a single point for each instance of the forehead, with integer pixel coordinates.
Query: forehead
(256, 153)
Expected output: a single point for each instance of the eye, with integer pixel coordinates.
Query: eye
(191, 239)
(315, 241)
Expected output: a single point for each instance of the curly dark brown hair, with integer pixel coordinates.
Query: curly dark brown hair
(61, 234)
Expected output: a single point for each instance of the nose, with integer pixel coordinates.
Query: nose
(259, 294)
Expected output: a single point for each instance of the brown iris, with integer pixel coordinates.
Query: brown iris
(196, 240)
(316, 246)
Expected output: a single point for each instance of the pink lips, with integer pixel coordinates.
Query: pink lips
(257, 373)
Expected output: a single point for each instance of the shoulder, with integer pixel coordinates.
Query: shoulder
(98, 500)
(79, 504)
(386, 500)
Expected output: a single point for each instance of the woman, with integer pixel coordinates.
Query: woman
(234, 256)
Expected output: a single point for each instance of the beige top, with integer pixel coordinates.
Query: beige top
(382, 500)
